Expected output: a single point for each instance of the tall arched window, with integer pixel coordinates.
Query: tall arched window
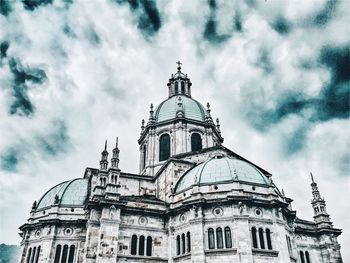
(149, 247)
(219, 239)
(178, 246)
(289, 245)
(37, 255)
(183, 244)
(133, 244)
(29, 254)
(255, 241)
(71, 254)
(33, 256)
(228, 238)
(307, 257)
(196, 142)
(64, 254)
(144, 152)
(142, 246)
(188, 242)
(261, 238)
(58, 253)
(176, 87)
(164, 147)
(182, 87)
(268, 238)
(302, 259)
(211, 238)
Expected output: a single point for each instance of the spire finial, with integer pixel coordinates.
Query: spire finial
(104, 157)
(116, 142)
(312, 177)
(208, 107)
(179, 66)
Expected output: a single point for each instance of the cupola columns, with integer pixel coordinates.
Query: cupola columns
(319, 205)
(179, 83)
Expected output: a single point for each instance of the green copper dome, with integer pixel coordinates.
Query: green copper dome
(69, 193)
(221, 170)
(180, 105)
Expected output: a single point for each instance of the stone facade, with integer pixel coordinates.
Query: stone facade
(182, 208)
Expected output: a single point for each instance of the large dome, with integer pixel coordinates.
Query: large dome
(69, 193)
(220, 170)
(190, 108)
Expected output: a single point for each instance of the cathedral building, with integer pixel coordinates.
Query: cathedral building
(193, 200)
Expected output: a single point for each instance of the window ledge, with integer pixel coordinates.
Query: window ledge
(143, 257)
(293, 259)
(220, 250)
(182, 256)
(266, 252)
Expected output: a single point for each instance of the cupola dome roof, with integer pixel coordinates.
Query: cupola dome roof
(221, 170)
(69, 193)
(183, 105)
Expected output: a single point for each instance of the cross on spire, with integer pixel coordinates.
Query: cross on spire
(178, 65)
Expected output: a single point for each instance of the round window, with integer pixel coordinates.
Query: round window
(143, 220)
(258, 212)
(68, 231)
(218, 211)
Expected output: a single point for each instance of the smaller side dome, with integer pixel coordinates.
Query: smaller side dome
(220, 171)
(69, 193)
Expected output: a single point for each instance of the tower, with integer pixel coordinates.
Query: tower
(321, 216)
(178, 125)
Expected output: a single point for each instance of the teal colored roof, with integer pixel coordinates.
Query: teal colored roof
(191, 109)
(221, 170)
(70, 193)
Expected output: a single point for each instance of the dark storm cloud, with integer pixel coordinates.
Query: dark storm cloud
(326, 14)
(21, 104)
(149, 19)
(210, 30)
(282, 25)
(93, 37)
(238, 22)
(55, 142)
(334, 97)
(296, 141)
(5, 7)
(9, 160)
(3, 49)
(31, 5)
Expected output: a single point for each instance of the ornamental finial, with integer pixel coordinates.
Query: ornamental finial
(179, 66)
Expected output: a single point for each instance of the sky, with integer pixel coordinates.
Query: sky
(74, 73)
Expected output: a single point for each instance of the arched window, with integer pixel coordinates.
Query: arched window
(268, 238)
(307, 257)
(178, 247)
(176, 87)
(164, 147)
(71, 254)
(142, 246)
(302, 259)
(228, 238)
(261, 238)
(144, 152)
(57, 254)
(64, 254)
(133, 244)
(149, 247)
(29, 254)
(196, 142)
(182, 87)
(219, 239)
(289, 245)
(33, 256)
(37, 255)
(188, 242)
(183, 244)
(211, 238)
(255, 241)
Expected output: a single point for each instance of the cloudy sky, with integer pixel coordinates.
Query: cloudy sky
(74, 73)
